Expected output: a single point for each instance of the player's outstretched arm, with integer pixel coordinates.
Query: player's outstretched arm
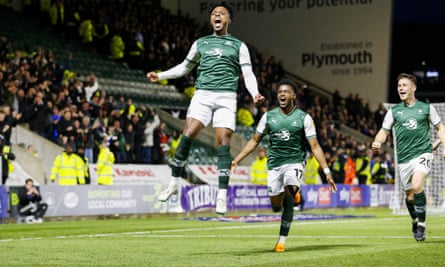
(441, 133)
(379, 139)
(318, 153)
(247, 149)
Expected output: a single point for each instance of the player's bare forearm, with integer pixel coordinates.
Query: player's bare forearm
(247, 149)
(379, 139)
(441, 134)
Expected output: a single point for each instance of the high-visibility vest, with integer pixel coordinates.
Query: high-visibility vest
(363, 170)
(117, 47)
(349, 171)
(54, 14)
(67, 168)
(105, 161)
(6, 151)
(312, 175)
(86, 31)
(258, 171)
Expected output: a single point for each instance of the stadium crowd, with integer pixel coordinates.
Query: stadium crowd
(44, 93)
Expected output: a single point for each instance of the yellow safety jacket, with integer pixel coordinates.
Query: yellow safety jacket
(86, 31)
(6, 151)
(363, 170)
(258, 171)
(117, 47)
(54, 13)
(311, 171)
(245, 117)
(105, 162)
(68, 169)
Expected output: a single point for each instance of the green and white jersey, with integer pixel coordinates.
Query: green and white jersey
(220, 59)
(287, 134)
(411, 127)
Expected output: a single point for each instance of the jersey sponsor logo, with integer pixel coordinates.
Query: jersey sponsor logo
(284, 134)
(400, 112)
(215, 52)
(410, 124)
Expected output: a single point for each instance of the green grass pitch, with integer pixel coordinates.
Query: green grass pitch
(377, 239)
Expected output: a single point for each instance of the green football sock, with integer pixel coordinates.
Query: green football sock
(411, 210)
(420, 206)
(288, 214)
(181, 155)
(224, 164)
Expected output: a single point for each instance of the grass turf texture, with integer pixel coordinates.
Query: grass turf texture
(382, 239)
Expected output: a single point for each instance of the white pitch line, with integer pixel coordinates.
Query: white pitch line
(159, 233)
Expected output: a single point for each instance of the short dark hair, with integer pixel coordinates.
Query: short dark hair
(29, 180)
(288, 82)
(223, 4)
(408, 76)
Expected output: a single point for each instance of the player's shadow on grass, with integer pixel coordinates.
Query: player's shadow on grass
(290, 248)
(295, 248)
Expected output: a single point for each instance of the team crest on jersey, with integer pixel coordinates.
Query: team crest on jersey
(284, 134)
(410, 124)
(215, 52)
(228, 43)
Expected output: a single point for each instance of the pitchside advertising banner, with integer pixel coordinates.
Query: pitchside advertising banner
(84, 200)
(340, 45)
(136, 188)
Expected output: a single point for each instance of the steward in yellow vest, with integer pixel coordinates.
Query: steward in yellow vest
(67, 168)
(105, 161)
(258, 168)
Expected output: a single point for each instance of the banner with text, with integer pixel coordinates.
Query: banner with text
(342, 45)
(86, 200)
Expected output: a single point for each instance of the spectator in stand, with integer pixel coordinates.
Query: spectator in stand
(91, 85)
(138, 119)
(161, 146)
(117, 145)
(40, 110)
(129, 143)
(258, 168)
(87, 136)
(214, 98)
(147, 145)
(30, 203)
(31, 149)
(66, 128)
(7, 122)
